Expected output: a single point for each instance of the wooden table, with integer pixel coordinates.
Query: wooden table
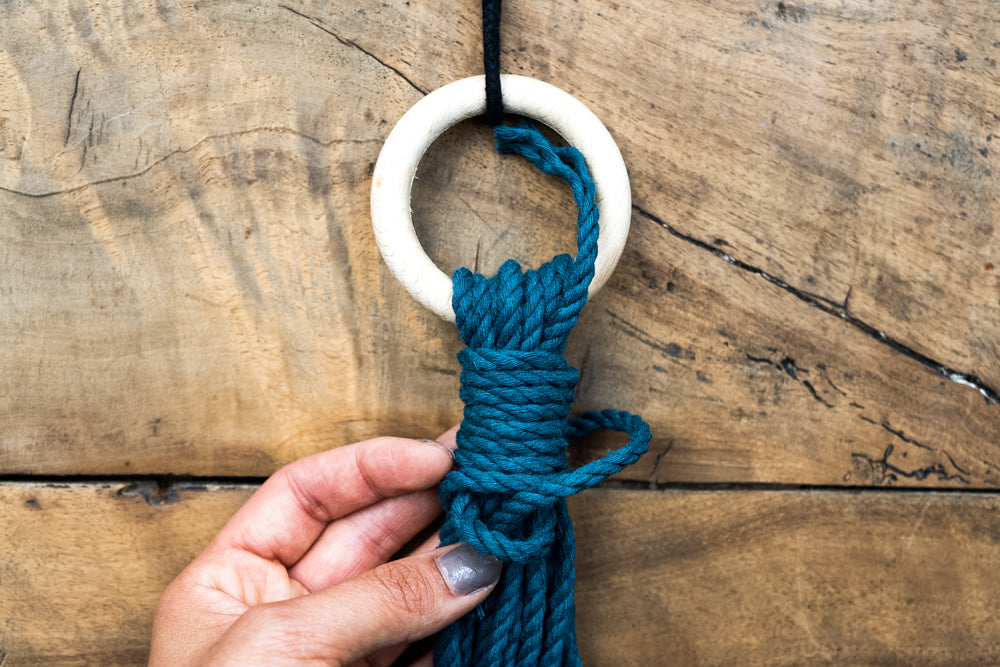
(807, 311)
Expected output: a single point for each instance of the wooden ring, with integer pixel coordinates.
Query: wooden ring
(392, 179)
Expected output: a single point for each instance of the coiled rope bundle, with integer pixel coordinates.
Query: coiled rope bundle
(506, 496)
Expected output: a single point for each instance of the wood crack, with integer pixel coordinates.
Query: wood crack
(72, 103)
(837, 310)
(346, 42)
(181, 151)
(672, 350)
(887, 473)
(659, 459)
(793, 370)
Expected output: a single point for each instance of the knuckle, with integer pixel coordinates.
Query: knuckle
(378, 539)
(304, 498)
(367, 460)
(407, 587)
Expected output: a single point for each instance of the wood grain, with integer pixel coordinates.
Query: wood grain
(845, 148)
(82, 566)
(188, 282)
(678, 577)
(787, 578)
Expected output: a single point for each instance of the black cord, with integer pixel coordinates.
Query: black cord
(491, 61)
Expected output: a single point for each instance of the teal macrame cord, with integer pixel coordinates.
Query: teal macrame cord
(506, 496)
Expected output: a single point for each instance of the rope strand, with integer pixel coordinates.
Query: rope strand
(506, 496)
(491, 61)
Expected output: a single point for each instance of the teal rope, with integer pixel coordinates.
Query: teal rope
(506, 496)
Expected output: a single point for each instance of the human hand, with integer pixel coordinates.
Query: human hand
(299, 575)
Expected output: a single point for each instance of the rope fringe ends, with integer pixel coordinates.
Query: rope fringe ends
(506, 496)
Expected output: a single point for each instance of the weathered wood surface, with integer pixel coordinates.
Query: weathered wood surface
(82, 567)
(188, 282)
(788, 578)
(671, 578)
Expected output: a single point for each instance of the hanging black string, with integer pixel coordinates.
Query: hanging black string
(491, 61)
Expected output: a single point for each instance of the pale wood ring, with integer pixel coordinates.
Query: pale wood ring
(392, 179)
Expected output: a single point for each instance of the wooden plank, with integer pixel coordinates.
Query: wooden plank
(678, 577)
(787, 578)
(82, 566)
(188, 282)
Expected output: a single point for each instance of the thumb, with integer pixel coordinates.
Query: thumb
(396, 603)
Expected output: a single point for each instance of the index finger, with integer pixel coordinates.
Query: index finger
(290, 510)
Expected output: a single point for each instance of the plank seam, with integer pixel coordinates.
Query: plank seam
(165, 485)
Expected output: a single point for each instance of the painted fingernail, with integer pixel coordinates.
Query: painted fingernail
(443, 446)
(466, 571)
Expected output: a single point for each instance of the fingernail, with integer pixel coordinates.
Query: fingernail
(441, 445)
(466, 571)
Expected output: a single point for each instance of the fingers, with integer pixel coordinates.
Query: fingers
(386, 656)
(365, 539)
(399, 602)
(369, 537)
(448, 437)
(292, 508)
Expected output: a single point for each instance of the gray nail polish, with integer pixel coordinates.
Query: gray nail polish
(466, 571)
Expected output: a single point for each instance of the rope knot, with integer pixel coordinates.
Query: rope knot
(506, 495)
(503, 493)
